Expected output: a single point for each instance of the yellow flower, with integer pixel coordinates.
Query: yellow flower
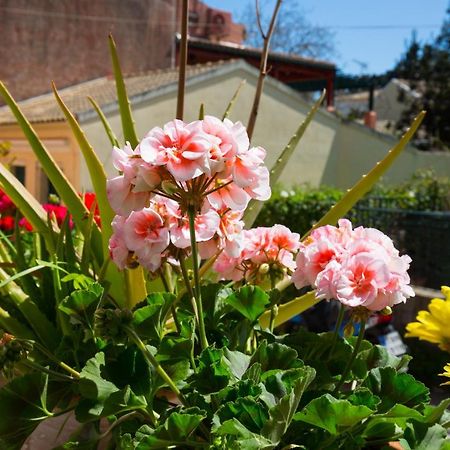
(433, 325)
(446, 374)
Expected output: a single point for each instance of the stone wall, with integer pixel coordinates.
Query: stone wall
(66, 40)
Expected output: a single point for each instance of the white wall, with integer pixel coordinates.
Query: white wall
(331, 152)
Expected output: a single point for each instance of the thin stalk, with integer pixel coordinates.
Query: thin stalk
(168, 288)
(262, 69)
(197, 291)
(183, 59)
(36, 366)
(337, 327)
(60, 363)
(353, 356)
(122, 419)
(274, 308)
(152, 361)
(188, 285)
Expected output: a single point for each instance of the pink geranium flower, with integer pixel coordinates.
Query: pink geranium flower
(206, 226)
(182, 148)
(117, 248)
(265, 252)
(146, 235)
(358, 267)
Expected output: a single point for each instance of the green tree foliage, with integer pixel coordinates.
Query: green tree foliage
(427, 68)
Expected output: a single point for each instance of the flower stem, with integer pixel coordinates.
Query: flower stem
(337, 327)
(61, 364)
(353, 357)
(197, 292)
(183, 58)
(152, 361)
(36, 366)
(166, 280)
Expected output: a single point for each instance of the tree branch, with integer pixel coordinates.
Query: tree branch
(183, 59)
(262, 70)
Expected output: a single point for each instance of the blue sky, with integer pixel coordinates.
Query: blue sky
(386, 26)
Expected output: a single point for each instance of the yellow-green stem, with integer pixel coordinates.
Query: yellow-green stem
(197, 291)
(152, 361)
(337, 327)
(353, 357)
(60, 363)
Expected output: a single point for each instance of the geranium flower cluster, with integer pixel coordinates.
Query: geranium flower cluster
(205, 168)
(264, 252)
(358, 267)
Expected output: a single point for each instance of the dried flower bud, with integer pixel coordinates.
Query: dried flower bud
(12, 351)
(109, 324)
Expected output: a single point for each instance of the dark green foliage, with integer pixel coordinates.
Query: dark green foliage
(426, 67)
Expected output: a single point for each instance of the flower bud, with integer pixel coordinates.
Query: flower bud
(169, 187)
(386, 311)
(264, 268)
(109, 324)
(12, 351)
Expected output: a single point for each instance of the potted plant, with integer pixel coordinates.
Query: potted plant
(159, 329)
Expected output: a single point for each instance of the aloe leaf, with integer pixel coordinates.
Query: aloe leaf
(27, 204)
(14, 327)
(65, 190)
(367, 181)
(233, 100)
(97, 174)
(201, 111)
(255, 206)
(290, 309)
(135, 285)
(110, 133)
(128, 128)
(43, 328)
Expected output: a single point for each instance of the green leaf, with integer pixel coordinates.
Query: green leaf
(149, 320)
(129, 131)
(174, 348)
(239, 437)
(233, 100)
(15, 327)
(237, 362)
(79, 301)
(331, 414)
(252, 413)
(243, 388)
(20, 409)
(250, 301)
(275, 356)
(42, 327)
(65, 190)
(255, 206)
(363, 397)
(366, 183)
(97, 175)
(123, 401)
(282, 413)
(92, 385)
(420, 436)
(213, 372)
(27, 204)
(395, 388)
(110, 133)
(130, 368)
(177, 430)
